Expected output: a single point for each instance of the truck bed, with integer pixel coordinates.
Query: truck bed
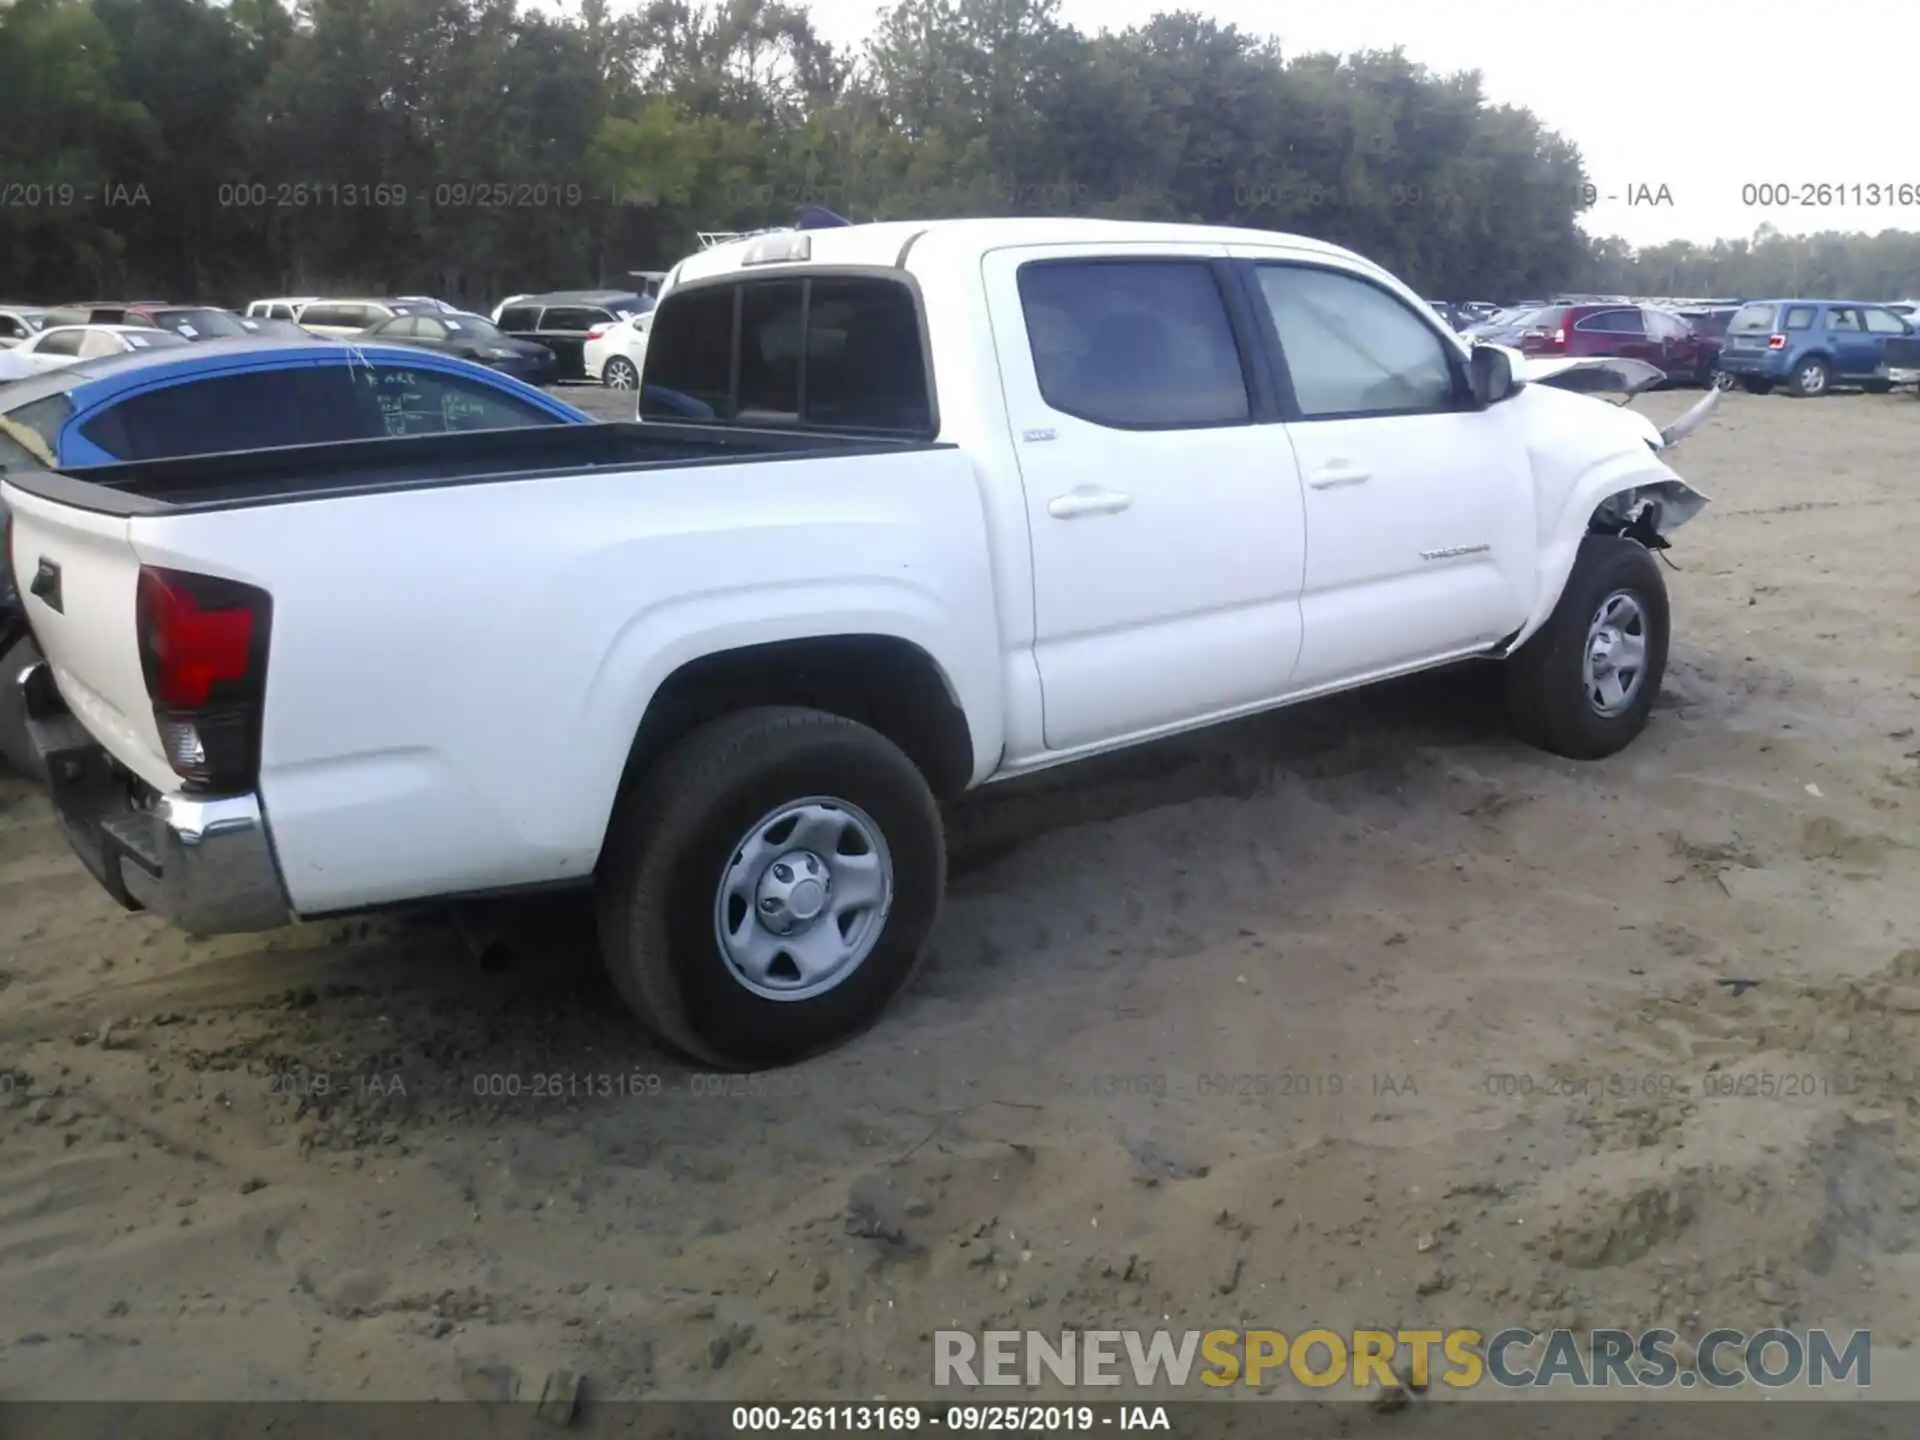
(240, 479)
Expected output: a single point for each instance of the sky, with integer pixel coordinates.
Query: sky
(1660, 94)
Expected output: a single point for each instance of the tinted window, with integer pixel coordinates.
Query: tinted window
(866, 367)
(1351, 348)
(520, 317)
(400, 400)
(262, 408)
(425, 327)
(1612, 322)
(1799, 317)
(400, 327)
(61, 342)
(1885, 322)
(690, 353)
(1133, 344)
(280, 312)
(573, 318)
(41, 422)
(333, 315)
(13, 329)
(770, 321)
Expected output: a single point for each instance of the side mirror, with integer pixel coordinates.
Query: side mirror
(1490, 373)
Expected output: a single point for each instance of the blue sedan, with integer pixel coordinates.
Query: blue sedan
(240, 394)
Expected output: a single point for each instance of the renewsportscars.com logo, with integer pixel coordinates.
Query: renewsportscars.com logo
(1460, 1359)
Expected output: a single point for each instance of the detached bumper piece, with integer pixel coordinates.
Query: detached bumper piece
(204, 864)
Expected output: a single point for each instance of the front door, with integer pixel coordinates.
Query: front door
(1856, 354)
(1420, 506)
(1163, 501)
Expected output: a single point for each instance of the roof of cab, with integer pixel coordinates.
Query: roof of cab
(887, 242)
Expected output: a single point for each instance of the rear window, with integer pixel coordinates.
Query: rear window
(520, 317)
(574, 319)
(34, 425)
(1752, 320)
(833, 352)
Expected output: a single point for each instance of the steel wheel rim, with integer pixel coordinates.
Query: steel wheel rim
(803, 898)
(619, 374)
(1614, 664)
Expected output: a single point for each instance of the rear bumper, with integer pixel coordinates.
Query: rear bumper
(205, 864)
(1770, 365)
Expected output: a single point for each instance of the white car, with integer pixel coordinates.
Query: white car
(614, 354)
(60, 345)
(910, 508)
(279, 307)
(20, 322)
(338, 319)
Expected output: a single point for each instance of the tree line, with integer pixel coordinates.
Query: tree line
(194, 150)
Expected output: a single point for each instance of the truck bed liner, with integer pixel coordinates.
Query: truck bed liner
(295, 473)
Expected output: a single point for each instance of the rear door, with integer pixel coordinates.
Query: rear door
(563, 330)
(1163, 499)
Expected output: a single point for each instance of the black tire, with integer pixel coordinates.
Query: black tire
(671, 841)
(14, 746)
(619, 374)
(1546, 679)
(1754, 385)
(1811, 377)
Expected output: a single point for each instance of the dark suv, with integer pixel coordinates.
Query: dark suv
(561, 320)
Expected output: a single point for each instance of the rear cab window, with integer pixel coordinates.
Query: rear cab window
(834, 352)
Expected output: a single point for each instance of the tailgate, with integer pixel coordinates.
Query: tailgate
(78, 574)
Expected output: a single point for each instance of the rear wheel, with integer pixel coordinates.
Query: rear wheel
(619, 373)
(767, 888)
(1811, 378)
(1583, 685)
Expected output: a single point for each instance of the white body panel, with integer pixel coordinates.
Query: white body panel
(457, 673)
(626, 338)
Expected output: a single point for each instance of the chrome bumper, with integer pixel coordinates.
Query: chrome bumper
(205, 864)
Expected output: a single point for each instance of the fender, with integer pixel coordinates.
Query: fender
(660, 640)
(1597, 465)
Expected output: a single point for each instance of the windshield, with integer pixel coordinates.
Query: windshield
(201, 324)
(476, 327)
(1751, 320)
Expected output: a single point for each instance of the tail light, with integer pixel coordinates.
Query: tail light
(203, 653)
(1559, 336)
(597, 331)
(1776, 342)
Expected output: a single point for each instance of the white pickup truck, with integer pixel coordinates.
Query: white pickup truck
(908, 508)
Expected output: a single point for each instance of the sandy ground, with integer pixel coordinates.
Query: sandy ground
(1360, 1014)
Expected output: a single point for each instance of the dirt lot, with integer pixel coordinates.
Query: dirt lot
(1361, 1014)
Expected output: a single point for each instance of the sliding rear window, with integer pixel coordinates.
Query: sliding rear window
(833, 352)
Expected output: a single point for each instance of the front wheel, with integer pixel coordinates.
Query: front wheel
(1583, 685)
(620, 373)
(768, 886)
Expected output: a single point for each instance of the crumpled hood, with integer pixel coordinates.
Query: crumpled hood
(1597, 375)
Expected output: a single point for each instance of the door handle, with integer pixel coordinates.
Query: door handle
(1337, 472)
(1088, 500)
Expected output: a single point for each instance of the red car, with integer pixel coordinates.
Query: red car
(1637, 332)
